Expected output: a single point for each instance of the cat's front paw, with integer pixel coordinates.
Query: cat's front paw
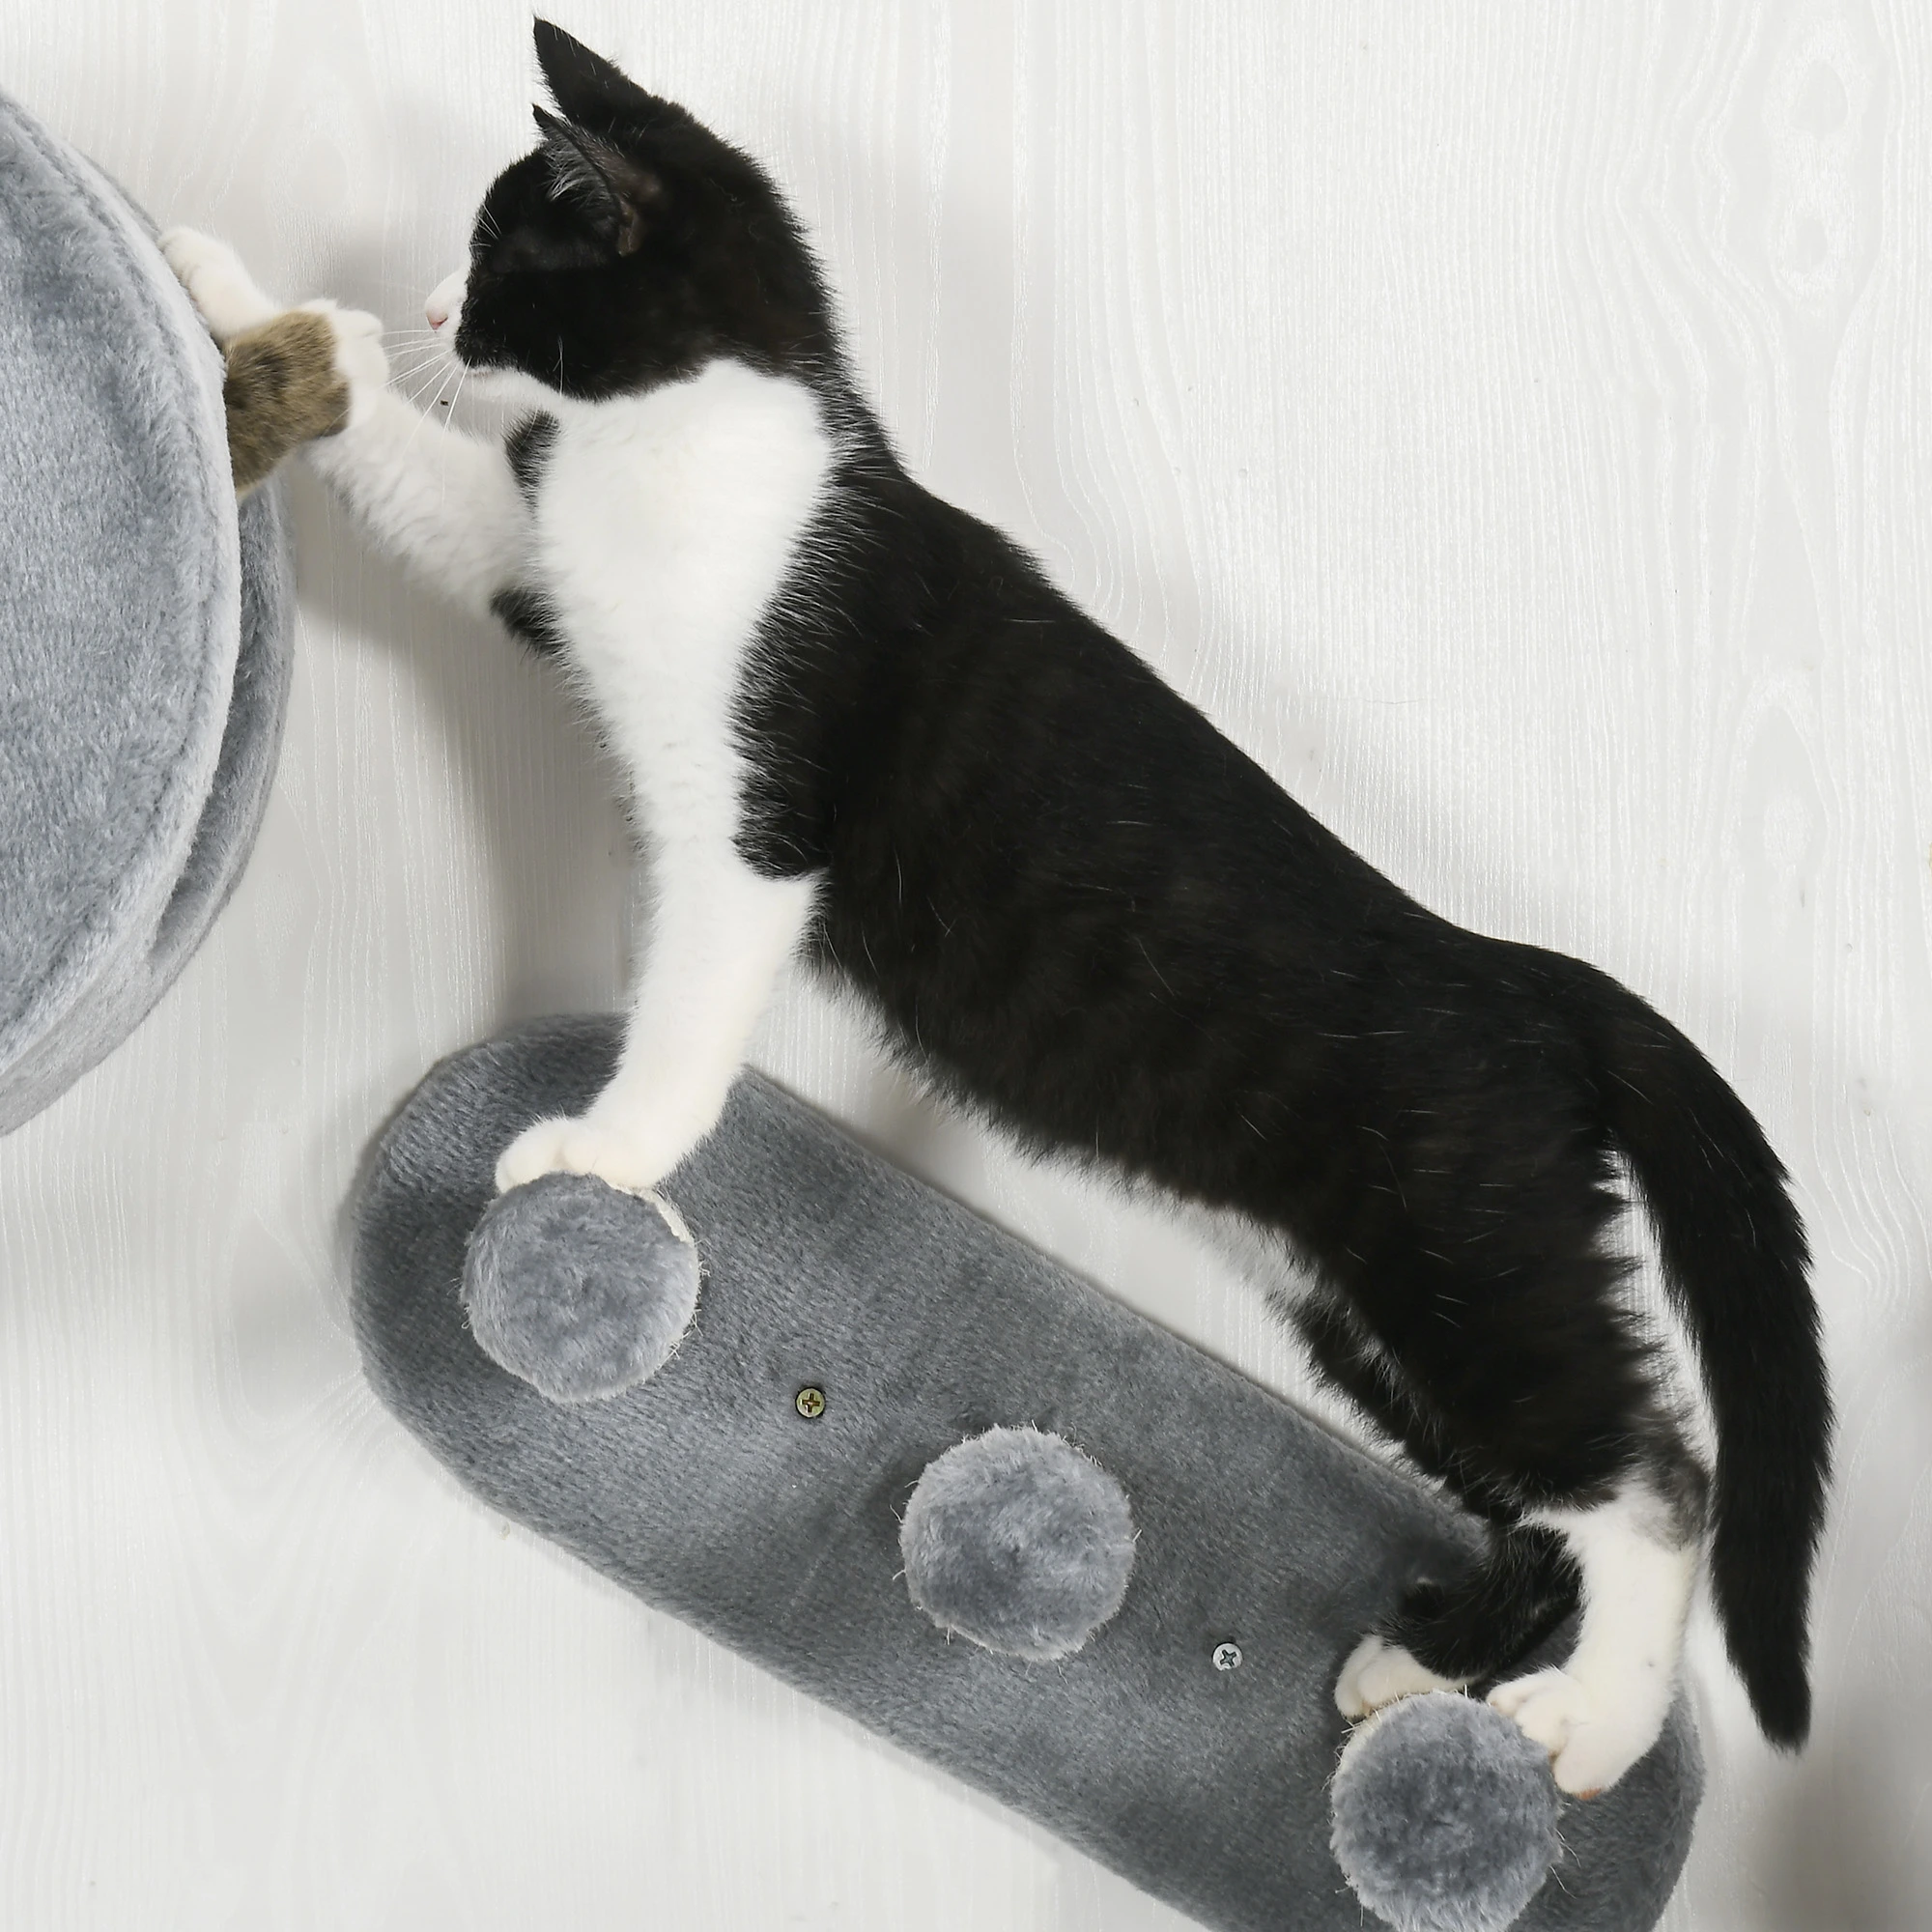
(222, 289)
(360, 358)
(1592, 1738)
(581, 1147)
(1379, 1672)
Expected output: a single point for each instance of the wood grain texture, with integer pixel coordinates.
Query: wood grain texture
(1511, 424)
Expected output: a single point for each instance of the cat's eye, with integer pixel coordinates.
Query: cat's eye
(531, 250)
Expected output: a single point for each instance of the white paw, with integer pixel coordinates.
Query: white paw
(359, 359)
(1592, 1738)
(221, 288)
(1379, 1672)
(581, 1147)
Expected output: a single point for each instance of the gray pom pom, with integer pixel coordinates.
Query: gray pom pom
(1444, 1815)
(580, 1288)
(1018, 1541)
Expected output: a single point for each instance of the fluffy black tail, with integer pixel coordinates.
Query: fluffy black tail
(1736, 1262)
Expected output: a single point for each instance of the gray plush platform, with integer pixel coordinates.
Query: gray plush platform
(706, 1493)
(144, 626)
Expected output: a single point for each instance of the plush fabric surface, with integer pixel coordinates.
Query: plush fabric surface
(1445, 1815)
(143, 625)
(1017, 1541)
(577, 1288)
(705, 1491)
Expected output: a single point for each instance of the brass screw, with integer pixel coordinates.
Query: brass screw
(810, 1403)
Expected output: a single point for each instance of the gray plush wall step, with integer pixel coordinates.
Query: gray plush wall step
(144, 650)
(707, 1494)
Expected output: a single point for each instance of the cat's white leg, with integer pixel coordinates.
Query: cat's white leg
(720, 936)
(445, 504)
(228, 299)
(221, 288)
(1605, 1708)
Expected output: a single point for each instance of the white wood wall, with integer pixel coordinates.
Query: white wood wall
(1512, 423)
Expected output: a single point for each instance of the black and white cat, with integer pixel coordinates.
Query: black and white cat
(861, 727)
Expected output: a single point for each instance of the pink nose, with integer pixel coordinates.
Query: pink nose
(436, 313)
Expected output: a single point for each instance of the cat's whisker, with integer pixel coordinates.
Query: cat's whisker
(422, 379)
(424, 415)
(432, 375)
(417, 395)
(453, 370)
(422, 365)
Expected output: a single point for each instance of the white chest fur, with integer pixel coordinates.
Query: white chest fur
(664, 524)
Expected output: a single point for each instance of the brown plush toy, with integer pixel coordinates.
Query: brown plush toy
(282, 388)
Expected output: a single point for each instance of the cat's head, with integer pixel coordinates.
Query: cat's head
(633, 247)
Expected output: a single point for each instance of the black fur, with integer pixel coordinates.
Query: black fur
(1090, 913)
(526, 615)
(527, 446)
(633, 247)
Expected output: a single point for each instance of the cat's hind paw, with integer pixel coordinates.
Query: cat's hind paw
(1379, 1672)
(567, 1146)
(1592, 1739)
(222, 289)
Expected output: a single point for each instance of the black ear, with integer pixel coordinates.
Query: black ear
(618, 194)
(585, 86)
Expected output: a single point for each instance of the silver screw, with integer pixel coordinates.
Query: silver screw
(1227, 1657)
